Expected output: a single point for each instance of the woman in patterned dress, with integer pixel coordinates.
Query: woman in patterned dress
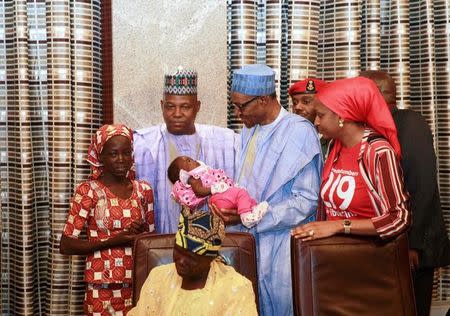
(115, 208)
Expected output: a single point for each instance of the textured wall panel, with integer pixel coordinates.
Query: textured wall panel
(441, 23)
(151, 38)
(242, 37)
(303, 39)
(394, 25)
(276, 45)
(50, 104)
(339, 39)
(370, 35)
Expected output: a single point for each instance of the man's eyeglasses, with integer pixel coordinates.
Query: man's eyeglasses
(242, 106)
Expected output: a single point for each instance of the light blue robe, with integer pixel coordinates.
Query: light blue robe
(286, 174)
(151, 153)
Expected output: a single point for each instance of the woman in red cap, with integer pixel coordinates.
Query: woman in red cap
(362, 190)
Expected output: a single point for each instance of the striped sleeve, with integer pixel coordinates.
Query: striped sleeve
(394, 215)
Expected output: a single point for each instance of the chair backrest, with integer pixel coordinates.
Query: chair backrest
(154, 250)
(345, 275)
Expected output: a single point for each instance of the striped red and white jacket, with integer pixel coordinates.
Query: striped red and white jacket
(384, 178)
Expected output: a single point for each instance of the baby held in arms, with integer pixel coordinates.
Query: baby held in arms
(194, 182)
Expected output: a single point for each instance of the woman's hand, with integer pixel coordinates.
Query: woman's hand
(129, 234)
(316, 230)
(137, 227)
(74, 246)
(124, 238)
(229, 217)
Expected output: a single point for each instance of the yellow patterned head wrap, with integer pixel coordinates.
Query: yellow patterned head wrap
(200, 232)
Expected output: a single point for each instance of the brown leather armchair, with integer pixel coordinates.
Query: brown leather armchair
(344, 275)
(154, 250)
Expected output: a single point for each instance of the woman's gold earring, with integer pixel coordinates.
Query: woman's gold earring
(341, 123)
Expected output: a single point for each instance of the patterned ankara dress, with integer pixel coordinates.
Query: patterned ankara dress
(108, 272)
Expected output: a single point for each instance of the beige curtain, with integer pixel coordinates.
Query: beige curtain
(335, 39)
(50, 104)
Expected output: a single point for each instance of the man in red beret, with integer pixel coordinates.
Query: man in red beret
(302, 93)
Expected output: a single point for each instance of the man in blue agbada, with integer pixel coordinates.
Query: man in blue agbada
(279, 162)
(157, 146)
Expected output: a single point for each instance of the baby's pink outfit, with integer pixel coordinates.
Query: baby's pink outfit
(224, 193)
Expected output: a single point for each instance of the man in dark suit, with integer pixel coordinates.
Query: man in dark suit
(428, 241)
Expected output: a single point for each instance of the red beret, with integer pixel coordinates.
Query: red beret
(308, 85)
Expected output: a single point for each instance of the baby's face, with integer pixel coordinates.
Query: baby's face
(187, 163)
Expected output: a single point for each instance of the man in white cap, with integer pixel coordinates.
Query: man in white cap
(157, 146)
(279, 162)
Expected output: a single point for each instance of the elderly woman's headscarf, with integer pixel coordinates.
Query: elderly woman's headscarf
(358, 100)
(98, 141)
(200, 232)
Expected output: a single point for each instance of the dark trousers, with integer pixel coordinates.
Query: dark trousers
(423, 288)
